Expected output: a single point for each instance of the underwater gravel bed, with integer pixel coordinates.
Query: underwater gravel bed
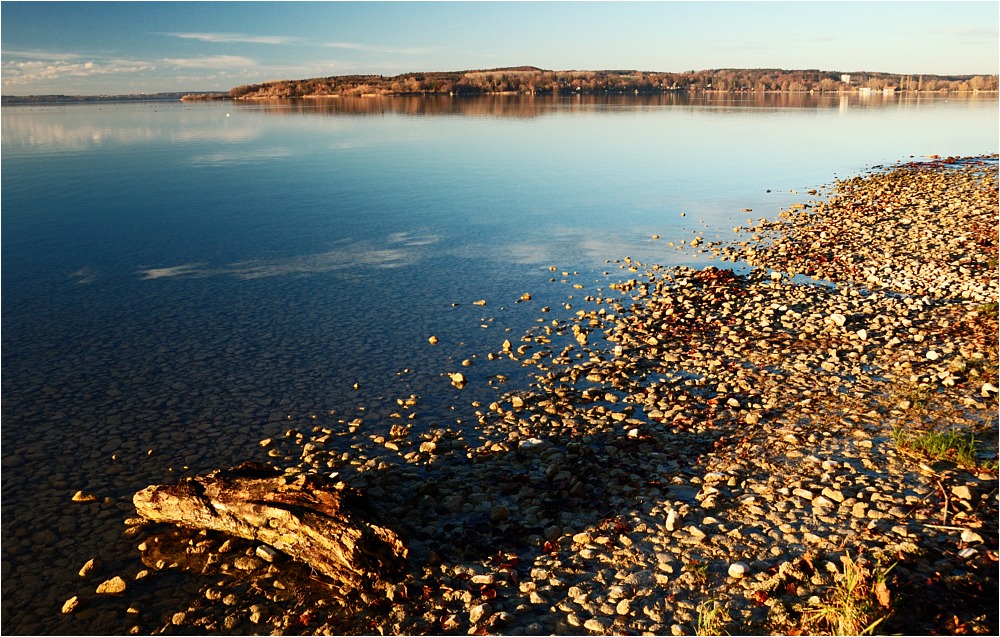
(699, 451)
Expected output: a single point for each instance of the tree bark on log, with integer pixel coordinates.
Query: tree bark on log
(303, 516)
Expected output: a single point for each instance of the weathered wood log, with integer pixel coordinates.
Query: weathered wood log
(304, 516)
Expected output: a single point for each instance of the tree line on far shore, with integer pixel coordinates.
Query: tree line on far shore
(535, 81)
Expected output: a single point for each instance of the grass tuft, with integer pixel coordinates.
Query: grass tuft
(712, 617)
(859, 601)
(698, 570)
(947, 445)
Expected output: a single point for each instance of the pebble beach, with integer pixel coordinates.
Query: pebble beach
(721, 450)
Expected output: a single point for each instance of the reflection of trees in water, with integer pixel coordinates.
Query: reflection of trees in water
(526, 106)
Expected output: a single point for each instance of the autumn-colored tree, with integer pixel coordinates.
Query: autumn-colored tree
(538, 81)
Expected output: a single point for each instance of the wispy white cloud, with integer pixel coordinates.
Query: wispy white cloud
(21, 72)
(347, 45)
(244, 38)
(45, 55)
(212, 62)
(967, 32)
(368, 48)
(957, 38)
(237, 38)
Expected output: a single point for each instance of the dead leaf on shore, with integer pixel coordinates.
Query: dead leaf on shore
(882, 593)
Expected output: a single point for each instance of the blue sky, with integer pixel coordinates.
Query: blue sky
(131, 47)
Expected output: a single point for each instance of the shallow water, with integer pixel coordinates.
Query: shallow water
(180, 281)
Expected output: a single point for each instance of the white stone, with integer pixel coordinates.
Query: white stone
(962, 491)
(532, 445)
(822, 502)
(616, 591)
(479, 612)
(673, 520)
(266, 553)
(596, 624)
(739, 570)
(833, 494)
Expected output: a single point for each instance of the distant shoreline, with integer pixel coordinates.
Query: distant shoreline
(28, 100)
(76, 99)
(530, 80)
(223, 97)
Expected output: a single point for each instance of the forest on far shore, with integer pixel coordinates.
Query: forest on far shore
(535, 81)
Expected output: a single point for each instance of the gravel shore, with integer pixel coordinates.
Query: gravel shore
(700, 452)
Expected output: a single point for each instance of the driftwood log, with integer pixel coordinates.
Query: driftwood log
(304, 516)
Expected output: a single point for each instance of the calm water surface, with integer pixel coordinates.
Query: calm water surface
(180, 281)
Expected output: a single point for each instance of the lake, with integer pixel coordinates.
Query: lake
(183, 280)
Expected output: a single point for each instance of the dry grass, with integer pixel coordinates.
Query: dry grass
(859, 601)
(712, 617)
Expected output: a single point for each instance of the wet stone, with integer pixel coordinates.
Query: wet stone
(726, 436)
(114, 586)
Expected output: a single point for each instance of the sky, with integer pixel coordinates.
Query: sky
(94, 48)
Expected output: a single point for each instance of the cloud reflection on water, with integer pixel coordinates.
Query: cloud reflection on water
(113, 125)
(186, 269)
(566, 244)
(241, 156)
(403, 249)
